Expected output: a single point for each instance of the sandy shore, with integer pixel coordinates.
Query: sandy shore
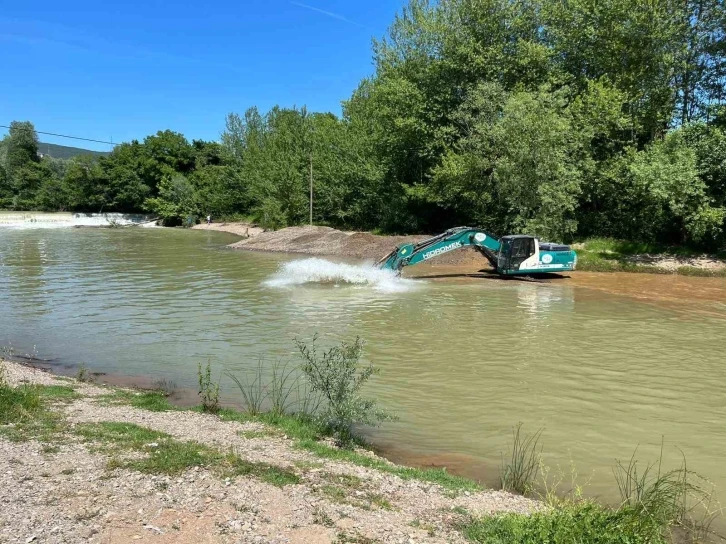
(62, 488)
(240, 229)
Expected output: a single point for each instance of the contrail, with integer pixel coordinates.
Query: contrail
(328, 13)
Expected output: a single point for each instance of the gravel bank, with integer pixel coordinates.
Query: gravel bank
(66, 492)
(325, 241)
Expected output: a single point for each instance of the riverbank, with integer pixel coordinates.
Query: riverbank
(597, 255)
(95, 463)
(245, 230)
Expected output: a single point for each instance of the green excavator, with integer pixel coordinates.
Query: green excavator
(514, 255)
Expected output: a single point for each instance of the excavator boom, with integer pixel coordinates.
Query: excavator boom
(510, 255)
(452, 239)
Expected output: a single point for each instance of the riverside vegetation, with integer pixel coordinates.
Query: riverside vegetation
(322, 399)
(563, 120)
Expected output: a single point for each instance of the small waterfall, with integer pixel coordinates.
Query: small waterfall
(40, 220)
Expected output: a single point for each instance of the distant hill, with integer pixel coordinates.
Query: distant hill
(65, 152)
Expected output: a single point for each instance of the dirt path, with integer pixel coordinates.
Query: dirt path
(69, 490)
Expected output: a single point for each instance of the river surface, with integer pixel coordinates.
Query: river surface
(604, 363)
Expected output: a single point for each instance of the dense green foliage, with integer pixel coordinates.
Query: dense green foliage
(564, 120)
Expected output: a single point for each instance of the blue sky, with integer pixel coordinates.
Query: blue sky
(116, 71)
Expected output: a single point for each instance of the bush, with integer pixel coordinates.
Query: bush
(208, 391)
(337, 375)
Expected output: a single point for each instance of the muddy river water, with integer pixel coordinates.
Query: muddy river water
(604, 363)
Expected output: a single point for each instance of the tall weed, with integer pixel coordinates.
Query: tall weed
(284, 382)
(672, 498)
(520, 470)
(253, 390)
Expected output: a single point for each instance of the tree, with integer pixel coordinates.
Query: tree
(6, 192)
(21, 147)
(87, 186)
(176, 203)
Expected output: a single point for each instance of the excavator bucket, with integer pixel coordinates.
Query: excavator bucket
(395, 259)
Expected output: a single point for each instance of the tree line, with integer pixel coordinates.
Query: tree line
(560, 119)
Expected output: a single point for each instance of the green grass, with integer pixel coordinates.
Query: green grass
(433, 475)
(154, 401)
(25, 413)
(584, 523)
(610, 255)
(307, 433)
(119, 435)
(58, 393)
(165, 455)
(19, 404)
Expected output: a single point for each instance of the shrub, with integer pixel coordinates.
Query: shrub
(208, 391)
(337, 375)
(82, 375)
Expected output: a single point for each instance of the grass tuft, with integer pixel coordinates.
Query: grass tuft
(252, 389)
(165, 455)
(19, 404)
(437, 476)
(154, 401)
(58, 393)
(519, 472)
(24, 414)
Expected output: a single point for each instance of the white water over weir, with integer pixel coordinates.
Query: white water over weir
(317, 270)
(41, 220)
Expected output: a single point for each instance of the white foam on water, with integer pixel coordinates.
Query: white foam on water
(315, 270)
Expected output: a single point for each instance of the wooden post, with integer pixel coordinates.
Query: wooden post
(311, 189)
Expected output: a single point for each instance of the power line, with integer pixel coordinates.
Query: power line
(64, 136)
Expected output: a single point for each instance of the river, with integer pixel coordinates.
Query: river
(604, 363)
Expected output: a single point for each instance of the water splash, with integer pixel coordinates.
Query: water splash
(317, 270)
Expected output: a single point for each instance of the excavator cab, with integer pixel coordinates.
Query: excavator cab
(514, 251)
(522, 254)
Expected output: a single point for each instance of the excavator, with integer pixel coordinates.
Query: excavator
(513, 255)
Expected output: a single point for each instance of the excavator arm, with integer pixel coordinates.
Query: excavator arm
(452, 239)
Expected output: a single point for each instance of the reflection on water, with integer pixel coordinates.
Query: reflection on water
(599, 362)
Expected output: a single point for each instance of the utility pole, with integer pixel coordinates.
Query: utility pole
(311, 189)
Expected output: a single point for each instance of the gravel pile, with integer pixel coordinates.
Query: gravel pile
(360, 245)
(64, 492)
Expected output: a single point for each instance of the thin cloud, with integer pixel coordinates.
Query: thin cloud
(327, 13)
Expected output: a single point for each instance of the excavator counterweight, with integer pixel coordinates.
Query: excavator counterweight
(510, 256)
